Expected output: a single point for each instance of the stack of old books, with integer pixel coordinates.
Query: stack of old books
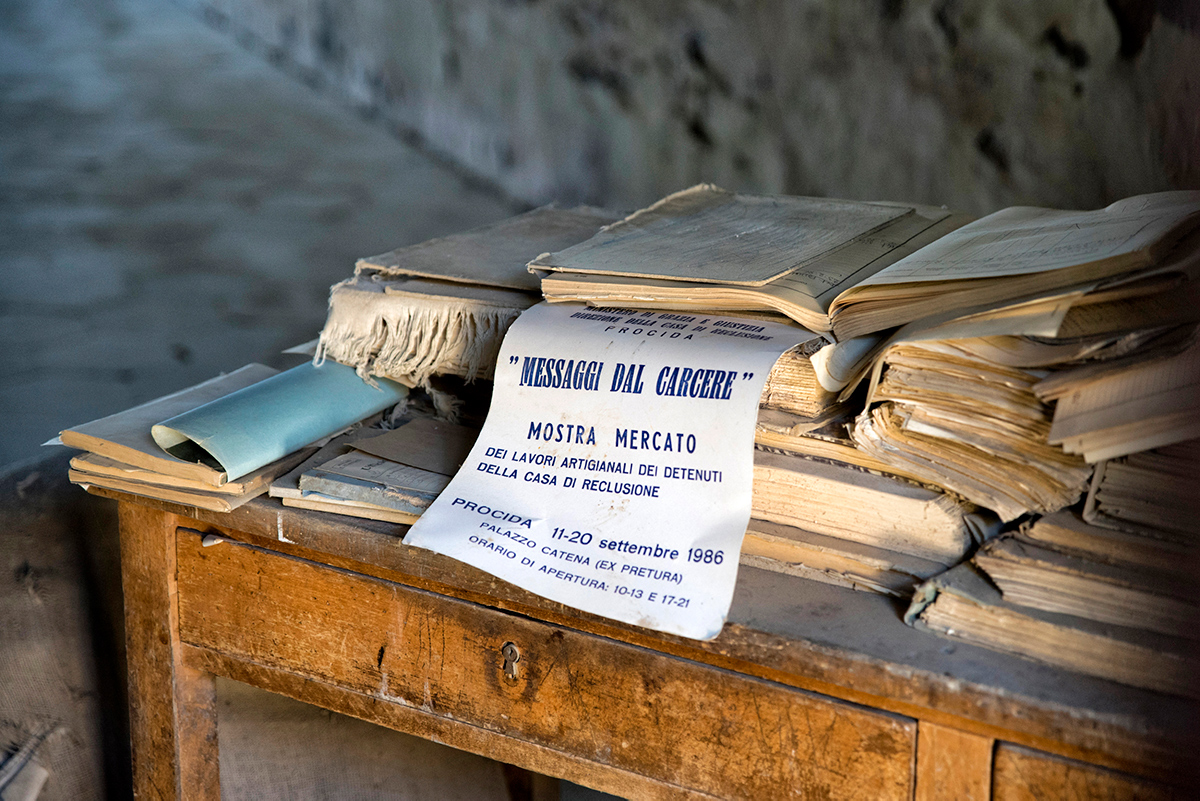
(974, 331)
(1116, 604)
(799, 249)
(431, 317)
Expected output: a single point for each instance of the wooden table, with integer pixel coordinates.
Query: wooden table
(811, 691)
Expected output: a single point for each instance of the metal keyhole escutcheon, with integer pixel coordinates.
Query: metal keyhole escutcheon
(511, 657)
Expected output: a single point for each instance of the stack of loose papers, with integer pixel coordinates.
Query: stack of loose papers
(946, 412)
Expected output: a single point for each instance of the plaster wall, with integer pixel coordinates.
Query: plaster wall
(977, 104)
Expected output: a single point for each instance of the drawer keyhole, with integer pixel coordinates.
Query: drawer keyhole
(511, 657)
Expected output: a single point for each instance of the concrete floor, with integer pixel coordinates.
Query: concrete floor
(172, 206)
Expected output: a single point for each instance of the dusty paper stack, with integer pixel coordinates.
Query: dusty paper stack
(222, 442)
(821, 507)
(1111, 591)
(951, 414)
(391, 475)
(1108, 387)
(1098, 601)
(878, 491)
(1008, 406)
(381, 323)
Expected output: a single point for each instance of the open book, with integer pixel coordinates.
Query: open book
(709, 249)
(854, 268)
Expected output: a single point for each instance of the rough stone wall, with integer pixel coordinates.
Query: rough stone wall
(977, 104)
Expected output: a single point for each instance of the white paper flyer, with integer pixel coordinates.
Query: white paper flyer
(614, 470)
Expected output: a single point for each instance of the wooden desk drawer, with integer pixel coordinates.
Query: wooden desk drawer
(678, 721)
(1022, 774)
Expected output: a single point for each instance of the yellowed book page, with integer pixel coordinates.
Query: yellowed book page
(1023, 240)
(1140, 435)
(1021, 351)
(825, 278)
(709, 235)
(1042, 317)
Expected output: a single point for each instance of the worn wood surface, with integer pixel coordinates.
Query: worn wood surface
(952, 765)
(801, 633)
(456, 734)
(610, 703)
(1025, 775)
(172, 706)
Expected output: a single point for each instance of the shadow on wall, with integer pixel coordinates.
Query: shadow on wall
(973, 103)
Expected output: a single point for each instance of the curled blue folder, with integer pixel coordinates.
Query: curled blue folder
(261, 423)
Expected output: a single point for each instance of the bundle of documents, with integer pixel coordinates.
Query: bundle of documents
(1008, 420)
(218, 444)
(1074, 595)
(945, 412)
(380, 475)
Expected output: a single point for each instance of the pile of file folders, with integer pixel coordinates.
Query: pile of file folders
(996, 419)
